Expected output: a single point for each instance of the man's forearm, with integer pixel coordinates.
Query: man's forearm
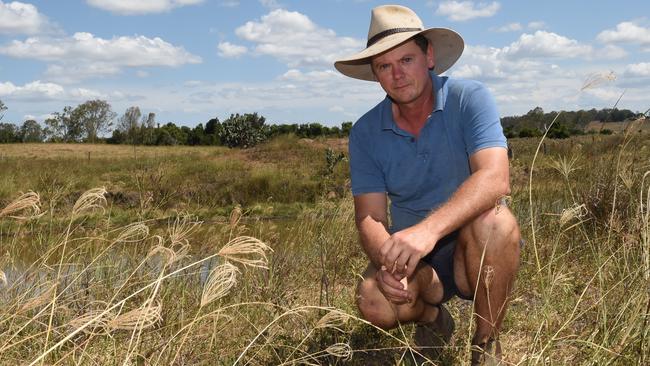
(477, 194)
(373, 234)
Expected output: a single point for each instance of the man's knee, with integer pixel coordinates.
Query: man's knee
(373, 305)
(497, 228)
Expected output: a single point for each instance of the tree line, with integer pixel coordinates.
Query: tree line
(568, 123)
(94, 121)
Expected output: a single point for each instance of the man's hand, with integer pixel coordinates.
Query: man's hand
(404, 249)
(395, 290)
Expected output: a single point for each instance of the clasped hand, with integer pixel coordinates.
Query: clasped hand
(400, 256)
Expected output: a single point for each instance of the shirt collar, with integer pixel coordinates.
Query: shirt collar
(439, 89)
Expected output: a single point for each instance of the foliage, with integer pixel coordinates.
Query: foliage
(9, 133)
(64, 126)
(96, 117)
(244, 131)
(31, 131)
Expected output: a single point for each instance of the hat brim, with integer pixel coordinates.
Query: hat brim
(447, 48)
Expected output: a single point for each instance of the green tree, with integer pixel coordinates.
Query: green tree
(8, 133)
(96, 117)
(129, 126)
(64, 126)
(243, 130)
(31, 131)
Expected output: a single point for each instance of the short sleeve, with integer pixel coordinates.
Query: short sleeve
(365, 174)
(481, 122)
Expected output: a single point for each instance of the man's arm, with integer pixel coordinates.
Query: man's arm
(489, 181)
(372, 223)
(371, 217)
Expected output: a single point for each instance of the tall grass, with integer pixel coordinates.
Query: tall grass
(91, 281)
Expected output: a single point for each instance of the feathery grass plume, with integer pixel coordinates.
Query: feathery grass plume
(571, 213)
(140, 318)
(91, 199)
(88, 323)
(241, 248)
(29, 202)
(340, 350)
(3, 278)
(597, 78)
(169, 256)
(133, 233)
(221, 280)
(42, 299)
(180, 228)
(564, 166)
(333, 319)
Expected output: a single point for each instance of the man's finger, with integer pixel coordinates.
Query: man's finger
(413, 263)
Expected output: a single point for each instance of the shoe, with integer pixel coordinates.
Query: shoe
(487, 354)
(431, 338)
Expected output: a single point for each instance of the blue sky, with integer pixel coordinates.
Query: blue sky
(192, 60)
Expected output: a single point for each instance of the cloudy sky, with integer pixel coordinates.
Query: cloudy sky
(192, 60)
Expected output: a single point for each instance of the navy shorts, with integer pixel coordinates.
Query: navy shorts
(441, 259)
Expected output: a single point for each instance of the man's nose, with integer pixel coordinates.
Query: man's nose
(398, 72)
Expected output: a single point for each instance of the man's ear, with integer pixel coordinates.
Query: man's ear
(431, 60)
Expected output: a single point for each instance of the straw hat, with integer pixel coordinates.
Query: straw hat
(392, 25)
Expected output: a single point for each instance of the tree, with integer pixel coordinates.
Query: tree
(148, 127)
(31, 131)
(96, 117)
(128, 124)
(243, 130)
(64, 126)
(3, 108)
(8, 133)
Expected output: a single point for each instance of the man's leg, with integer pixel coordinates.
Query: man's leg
(494, 238)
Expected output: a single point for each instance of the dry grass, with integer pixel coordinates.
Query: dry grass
(166, 290)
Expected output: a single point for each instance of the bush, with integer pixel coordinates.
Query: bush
(242, 130)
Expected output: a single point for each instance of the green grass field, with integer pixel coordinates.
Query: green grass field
(206, 255)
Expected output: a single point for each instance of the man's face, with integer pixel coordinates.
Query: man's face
(403, 72)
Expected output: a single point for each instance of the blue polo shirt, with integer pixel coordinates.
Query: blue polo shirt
(420, 174)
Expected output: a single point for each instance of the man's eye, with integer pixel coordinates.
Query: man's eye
(407, 60)
(383, 67)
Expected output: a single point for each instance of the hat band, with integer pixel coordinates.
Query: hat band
(388, 32)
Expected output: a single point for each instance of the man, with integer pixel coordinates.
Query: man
(436, 149)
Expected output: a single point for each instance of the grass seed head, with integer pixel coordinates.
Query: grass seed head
(133, 233)
(40, 300)
(29, 204)
(219, 283)
(568, 214)
(180, 229)
(247, 251)
(334, 319)
(340, 350)
(140, 318)
(88, 322)
(91, 199)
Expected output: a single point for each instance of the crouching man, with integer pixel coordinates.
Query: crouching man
(435, 150)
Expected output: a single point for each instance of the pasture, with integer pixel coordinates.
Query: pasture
(126, 255)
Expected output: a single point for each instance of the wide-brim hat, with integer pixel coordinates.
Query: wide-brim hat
(392, 25)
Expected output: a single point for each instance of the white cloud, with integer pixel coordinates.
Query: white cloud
(131, 7)
(465, 10)
(536, 25)
(626, 32)
(35, 90)
(17, 17)
(512, 27)
(638, 70)
(229, 50)
(611, 52)
(544, 44)
(83, 55)
(294, 39)
(271, 4)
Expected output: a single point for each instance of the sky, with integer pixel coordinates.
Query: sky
(192, 60)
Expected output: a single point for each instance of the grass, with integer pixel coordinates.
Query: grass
(216, 256)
